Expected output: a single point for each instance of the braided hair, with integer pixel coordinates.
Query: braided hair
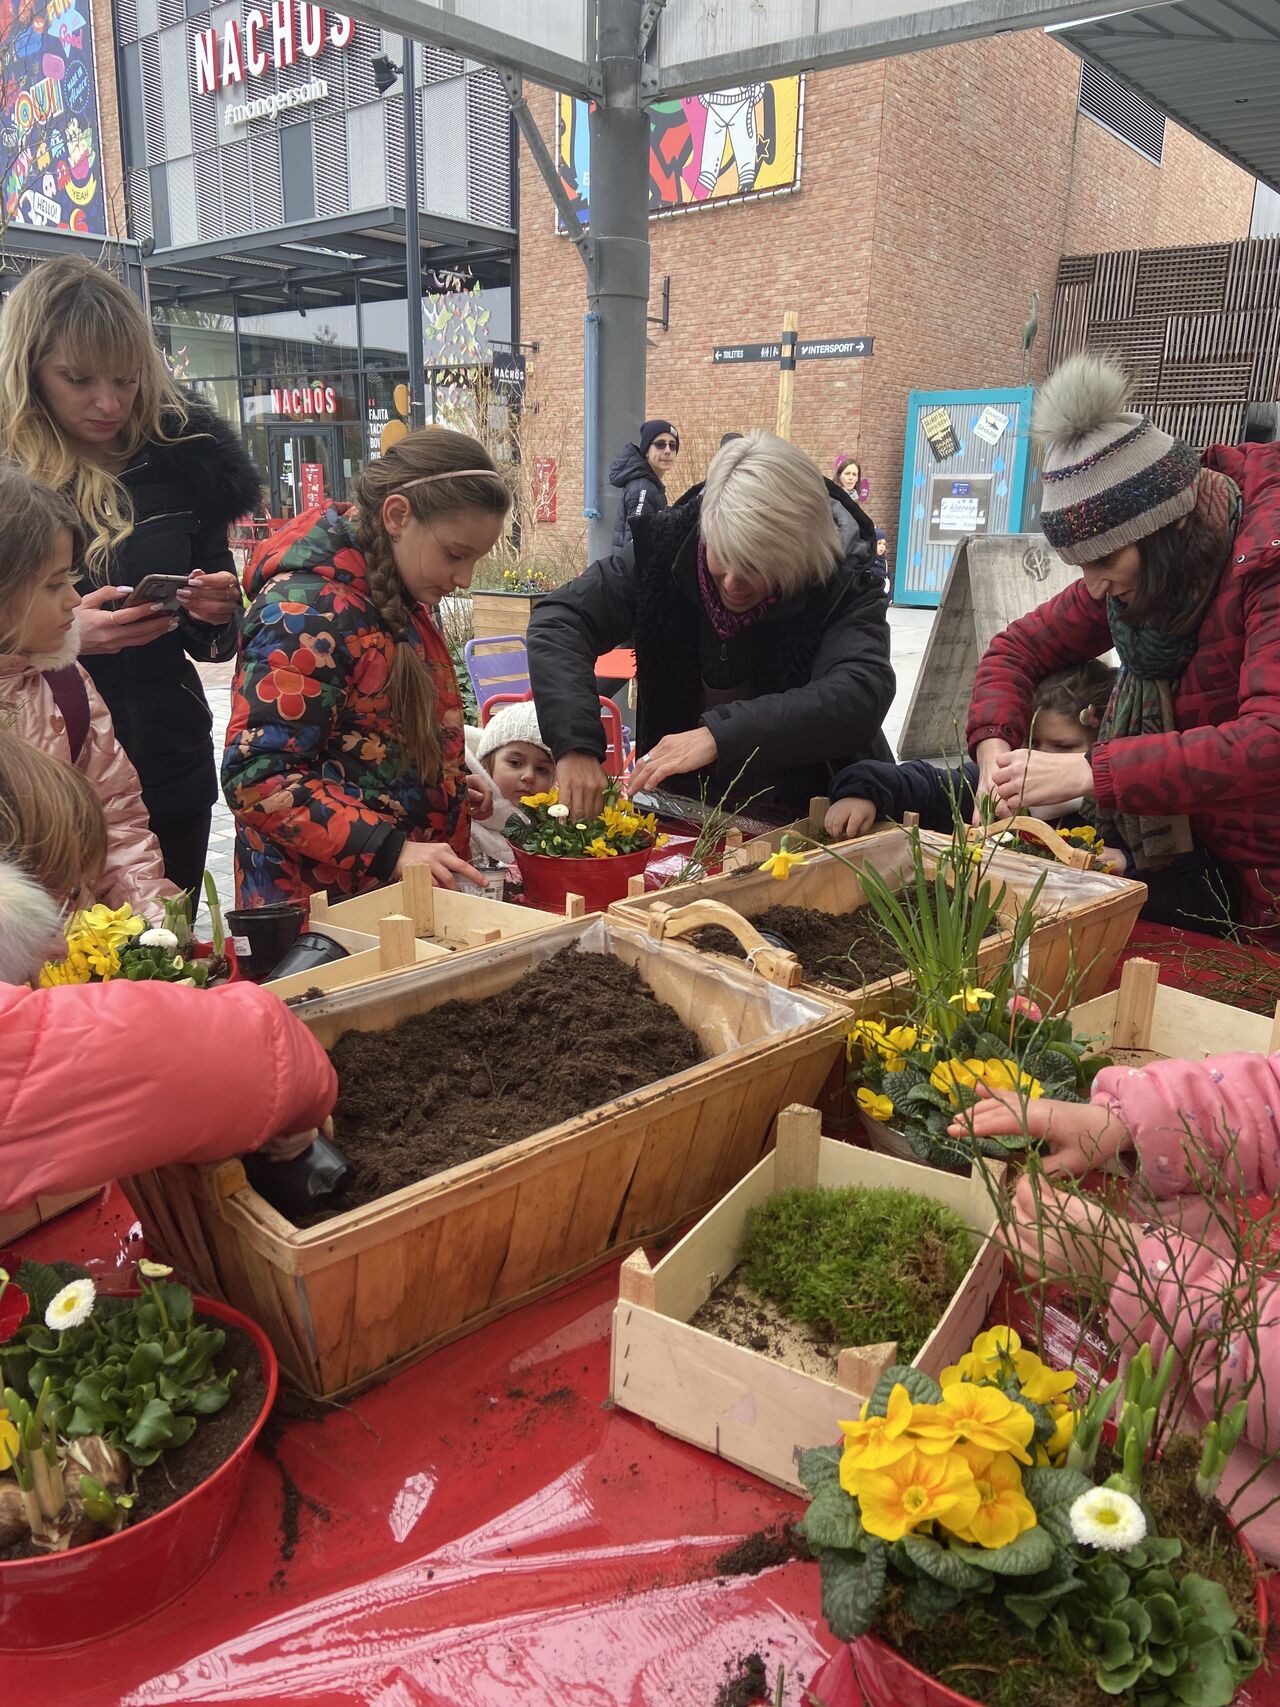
(428, 456)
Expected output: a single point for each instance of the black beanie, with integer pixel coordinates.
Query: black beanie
(650, 431)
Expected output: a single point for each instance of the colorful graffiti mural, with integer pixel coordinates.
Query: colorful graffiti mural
(49, 117)
(722, 146)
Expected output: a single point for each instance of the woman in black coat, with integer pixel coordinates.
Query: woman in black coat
(640, 471)
(88, 407)
(762, 647)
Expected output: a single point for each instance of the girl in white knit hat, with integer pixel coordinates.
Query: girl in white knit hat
(513, 752)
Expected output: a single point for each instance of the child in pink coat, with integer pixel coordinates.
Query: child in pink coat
(1202, 1137)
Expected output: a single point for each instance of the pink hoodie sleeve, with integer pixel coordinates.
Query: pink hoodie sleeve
(1200, 1125)
(100, 1080)
(134, 870)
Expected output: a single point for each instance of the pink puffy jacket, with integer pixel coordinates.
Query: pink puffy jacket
(134, 870)
(1207, 1127)
(99, 1080)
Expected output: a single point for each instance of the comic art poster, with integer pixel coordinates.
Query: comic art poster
(715, 147)
(49, 126)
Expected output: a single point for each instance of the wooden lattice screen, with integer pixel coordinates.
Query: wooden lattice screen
(1198, 329)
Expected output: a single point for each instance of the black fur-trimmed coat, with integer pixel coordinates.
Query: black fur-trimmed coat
(790, 700)
(185, 493)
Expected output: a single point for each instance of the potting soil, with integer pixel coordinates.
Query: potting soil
(849, 949)
(467, 1078)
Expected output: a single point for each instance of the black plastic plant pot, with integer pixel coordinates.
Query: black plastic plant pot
(263, 936)
(311, 949)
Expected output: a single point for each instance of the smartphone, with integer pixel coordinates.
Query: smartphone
(157, 590)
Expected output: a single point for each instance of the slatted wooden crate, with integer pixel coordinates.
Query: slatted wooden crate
(750, 1408)
(370, 1289)
(1147, 1019)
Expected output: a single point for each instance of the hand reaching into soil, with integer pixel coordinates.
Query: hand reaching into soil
(581, 780)
(848, 818)
(289, 1145)
(1076, 1136)
(1062, 1238)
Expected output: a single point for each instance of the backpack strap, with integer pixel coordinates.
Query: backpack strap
(72, 699)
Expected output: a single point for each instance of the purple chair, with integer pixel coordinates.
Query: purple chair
(497, 665)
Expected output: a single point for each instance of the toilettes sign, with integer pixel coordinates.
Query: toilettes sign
(281, 34)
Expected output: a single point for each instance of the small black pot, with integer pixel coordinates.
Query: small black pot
(263, 936)
(312, 949)
(303, 1185)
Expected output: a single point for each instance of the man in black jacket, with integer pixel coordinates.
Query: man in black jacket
(762, 646)
(639, 472)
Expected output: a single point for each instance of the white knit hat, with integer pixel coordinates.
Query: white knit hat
(518, 722)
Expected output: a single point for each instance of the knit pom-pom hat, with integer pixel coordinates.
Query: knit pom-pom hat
(518, 722)
(1110, 476)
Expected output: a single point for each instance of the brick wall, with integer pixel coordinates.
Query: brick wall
(937, 191)
(110, 163)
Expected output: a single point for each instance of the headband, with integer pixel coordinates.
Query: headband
(453, 474)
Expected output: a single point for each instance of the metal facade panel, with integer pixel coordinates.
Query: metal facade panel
(177, 107)
(488, 165)
(559, 25)
(184, 221)
(367, 146)
(330, 148)
(444, 123)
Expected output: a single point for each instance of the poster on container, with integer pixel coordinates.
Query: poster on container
(724, 145)
(49, 120)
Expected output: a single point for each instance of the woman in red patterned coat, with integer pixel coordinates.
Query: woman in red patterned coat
(345, 757)
(1180, 572)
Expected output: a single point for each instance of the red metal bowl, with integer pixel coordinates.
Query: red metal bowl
(600, 882)
(61, 1599)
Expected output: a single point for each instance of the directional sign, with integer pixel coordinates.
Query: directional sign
(809, 349)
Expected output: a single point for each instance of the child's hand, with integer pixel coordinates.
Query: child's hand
(1077, 1136)
(1063, 1238)
(848, 818)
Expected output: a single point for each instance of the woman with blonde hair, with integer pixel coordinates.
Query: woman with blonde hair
(762, 649)
(88, 408)
(346, 751)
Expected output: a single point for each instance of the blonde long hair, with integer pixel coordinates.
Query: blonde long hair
(100, 325)
(419, 468)
(51, 822)
(31, 518)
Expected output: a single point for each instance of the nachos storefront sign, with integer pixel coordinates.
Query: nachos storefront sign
(279, 35)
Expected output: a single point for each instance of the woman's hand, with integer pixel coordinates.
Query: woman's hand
(674, 755)
(1064, 1239)
(104, 631)
(210, 598)
(848, 818)
(445, 865)
(479, 800)
(581, 782)
(1025, 778)
(1077, 1136)
(988, 754)
(288, 1145)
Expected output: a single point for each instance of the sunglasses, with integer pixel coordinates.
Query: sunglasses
(665, 444)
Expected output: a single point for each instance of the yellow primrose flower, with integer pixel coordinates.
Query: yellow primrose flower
(971, 998)
(872, 1442)
(1082, 833)
(1004, 1511)
(661, 841)
(550, 797)
(968, 1369)
(994, 1345)
(873, 1105)
(1060, 1440)
(916, 1489)
(9, 1439)
(113, 925)
(977, 1416)
(949, 1076)
(104, 963)
(1008, 1076)
(779, 865)
(1038, 1382)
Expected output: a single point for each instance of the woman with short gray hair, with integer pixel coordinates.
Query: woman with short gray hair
(762, 646)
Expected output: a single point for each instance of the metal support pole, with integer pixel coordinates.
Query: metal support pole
(618, 279)
(413, 237)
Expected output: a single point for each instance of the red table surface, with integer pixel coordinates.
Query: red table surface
(483, 1530)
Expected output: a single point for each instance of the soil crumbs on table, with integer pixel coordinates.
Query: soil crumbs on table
(467, 1078)
(737, 1314)
(848, 949)
(746, 1681)
(176, 1473)
(763, 1549)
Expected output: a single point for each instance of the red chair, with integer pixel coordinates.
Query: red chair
(617, 753)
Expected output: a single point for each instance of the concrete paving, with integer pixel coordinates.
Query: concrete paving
(910, 629)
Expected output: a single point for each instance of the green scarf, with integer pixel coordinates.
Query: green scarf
(1151, 661)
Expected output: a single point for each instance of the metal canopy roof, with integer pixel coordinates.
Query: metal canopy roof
(1213, 65)
(319, 258)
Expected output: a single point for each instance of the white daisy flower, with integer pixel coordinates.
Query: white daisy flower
(158, 937)
(1106, 1518)
(71, 1306)
(557, 811)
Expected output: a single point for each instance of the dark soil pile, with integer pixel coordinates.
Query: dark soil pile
(176, 1473)
(849, 949)
(759, 1552)
(470, 1077)
(746, 1681)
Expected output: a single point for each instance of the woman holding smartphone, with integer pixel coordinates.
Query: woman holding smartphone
(88, 407)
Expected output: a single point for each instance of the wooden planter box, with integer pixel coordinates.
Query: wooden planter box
(1085, 916)
(368, 1290)
(31, 1215)
(1147, 1019)
(406, 924)
(501, 613)
(741, 1404)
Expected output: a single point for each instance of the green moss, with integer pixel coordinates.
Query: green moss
(978, 1653)
(859, 1265)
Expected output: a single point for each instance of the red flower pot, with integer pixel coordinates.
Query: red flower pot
(600, 882)
(98, 1590)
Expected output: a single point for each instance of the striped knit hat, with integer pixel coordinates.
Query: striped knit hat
(1111, 477)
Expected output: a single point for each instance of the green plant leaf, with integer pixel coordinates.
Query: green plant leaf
(943, 1565)
(851, 1592)
(925, 1600)
(154, 1427)
(1210, 1683)
(1033, 1551)
(832, 1519)
(819, 1467)
(1207, 1603)
(1033, 1609)
(921, 1389)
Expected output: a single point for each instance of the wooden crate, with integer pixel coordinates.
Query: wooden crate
(42, 1209)
(362, 1293)
(740, 1404)
(1147, 1019)
(494, 613)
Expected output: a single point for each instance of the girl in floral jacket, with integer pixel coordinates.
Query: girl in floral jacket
(345, 757)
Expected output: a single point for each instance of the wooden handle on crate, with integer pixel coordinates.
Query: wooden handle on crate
(1036, 830)
(775, 965)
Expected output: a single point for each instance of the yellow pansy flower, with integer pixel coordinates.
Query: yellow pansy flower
(779, 865)
(1064, 1432)
(949, 1076)
(1038, 1382)
(977, 1416)
(872, 1442)
(1004, 1511)
(917, 1489)
(971, 998)
(874, 1105)
(550, 797)
(600, 849)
